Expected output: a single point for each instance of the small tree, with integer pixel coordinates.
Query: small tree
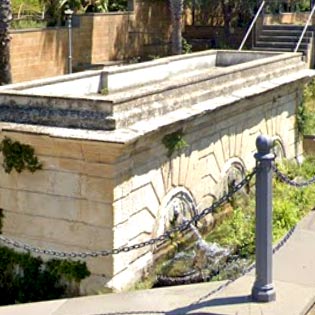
(176, 7)
(5, 19)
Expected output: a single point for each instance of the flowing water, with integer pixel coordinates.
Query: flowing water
(201, 261)
(194, 264)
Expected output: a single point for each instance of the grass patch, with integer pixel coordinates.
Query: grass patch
(237, 231)
(25, 24)
(306, 111)
(290, 204)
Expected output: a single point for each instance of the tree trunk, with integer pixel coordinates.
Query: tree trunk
(5, 19)
(227, 16)
(176, 13)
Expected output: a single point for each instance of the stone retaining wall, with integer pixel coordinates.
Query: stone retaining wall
(103, 189)
(97, 195)
(97, 39)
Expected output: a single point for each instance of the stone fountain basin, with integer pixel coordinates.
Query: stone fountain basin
(138, 92)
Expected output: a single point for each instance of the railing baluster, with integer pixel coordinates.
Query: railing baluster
(304, 30)
(251, 26)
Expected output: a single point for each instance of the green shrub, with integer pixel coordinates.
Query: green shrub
(18, 156)
(24, 278)
(306, 111)
(290, 204)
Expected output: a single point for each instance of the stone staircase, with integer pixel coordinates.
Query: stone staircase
(284, 37)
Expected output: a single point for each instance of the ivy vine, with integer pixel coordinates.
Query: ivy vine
(174, 142)
(18, 156)
(1, 220)
(24, 278)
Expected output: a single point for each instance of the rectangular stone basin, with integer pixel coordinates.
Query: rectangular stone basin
(119, 96)
(109, 179)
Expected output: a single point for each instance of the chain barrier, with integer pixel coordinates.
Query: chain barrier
(221, 287)
(284, 178)
(275, 249)
(163, 237)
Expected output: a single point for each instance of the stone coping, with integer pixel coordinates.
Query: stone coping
(181, 87)
(133, 132)
(138, 75)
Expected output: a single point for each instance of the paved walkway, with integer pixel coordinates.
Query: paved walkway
(294, 279)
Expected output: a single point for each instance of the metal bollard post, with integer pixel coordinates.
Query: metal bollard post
(69, 14)
(263, 289)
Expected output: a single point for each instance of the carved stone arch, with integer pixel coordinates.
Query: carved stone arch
(278, 148)
(233, 172)
(178, 200)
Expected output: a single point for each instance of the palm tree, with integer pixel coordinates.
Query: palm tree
(5, 19)
(176, 7)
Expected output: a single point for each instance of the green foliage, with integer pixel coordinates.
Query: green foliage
(186, 47)
(301, 118)
(117, 5)
(104, 91)
(174, 142)
(23, 24)
(33, 5)
(237, 232)
(18, 156)
(306, 111)
(1, 219)
(24, 278)
(290, 204)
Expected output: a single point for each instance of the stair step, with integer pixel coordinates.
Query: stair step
(285, 27)
(285, 33)
(294, 39)
(277, 49)
(290, 45)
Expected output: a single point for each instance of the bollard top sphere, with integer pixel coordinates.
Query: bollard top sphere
(264, 144)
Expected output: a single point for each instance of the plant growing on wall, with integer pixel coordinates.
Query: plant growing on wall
(305, 114)
(174, 142)
(176, 7)
(1, 220)
(18, 156)
(24, 278)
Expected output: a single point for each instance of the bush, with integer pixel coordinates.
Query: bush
(290, 204)
(24, 278)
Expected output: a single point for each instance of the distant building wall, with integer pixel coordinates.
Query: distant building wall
(207, 37)
(97, 38)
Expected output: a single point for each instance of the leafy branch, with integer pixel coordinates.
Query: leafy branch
(18, 156)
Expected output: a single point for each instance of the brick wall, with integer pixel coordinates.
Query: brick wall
(38, 53)
(97, 38)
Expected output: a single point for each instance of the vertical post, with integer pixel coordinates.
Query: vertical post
(263, 289)
(68, 14)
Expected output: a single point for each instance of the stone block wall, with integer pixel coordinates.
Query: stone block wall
(96, 195)
(217, 142)
(38, 53)
(97, 39)
(67, 204)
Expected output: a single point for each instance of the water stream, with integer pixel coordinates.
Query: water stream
(199, 262)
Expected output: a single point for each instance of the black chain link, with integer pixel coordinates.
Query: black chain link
(163, 237)
(284, 178)
(275, 249)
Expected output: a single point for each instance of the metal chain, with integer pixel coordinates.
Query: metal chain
(289, 181)
(163, 237)
(214, 291)
(275, 249)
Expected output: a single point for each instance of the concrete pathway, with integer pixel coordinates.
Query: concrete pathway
(294, 279)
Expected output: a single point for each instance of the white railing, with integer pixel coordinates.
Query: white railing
(251, 25)
(305, 28)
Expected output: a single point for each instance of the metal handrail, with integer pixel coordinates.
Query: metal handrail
(251, 26)
(304, 30)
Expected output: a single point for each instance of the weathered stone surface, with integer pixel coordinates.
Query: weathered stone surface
(103, 189)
